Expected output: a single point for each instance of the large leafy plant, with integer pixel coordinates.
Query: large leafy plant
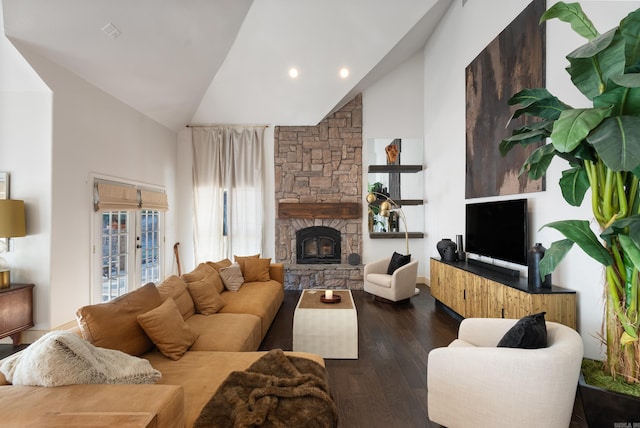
(601, 144)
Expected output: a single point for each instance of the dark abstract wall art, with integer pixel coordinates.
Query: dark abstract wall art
(514, 60)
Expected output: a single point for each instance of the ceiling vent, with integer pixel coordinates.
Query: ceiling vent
(111, 30)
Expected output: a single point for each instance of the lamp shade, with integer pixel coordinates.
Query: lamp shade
(12, 223)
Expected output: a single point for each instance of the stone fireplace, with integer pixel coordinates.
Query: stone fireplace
(318, 178)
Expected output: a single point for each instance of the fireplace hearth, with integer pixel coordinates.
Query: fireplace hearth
(318, 244)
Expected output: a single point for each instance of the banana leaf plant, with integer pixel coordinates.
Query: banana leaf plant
(601, 145)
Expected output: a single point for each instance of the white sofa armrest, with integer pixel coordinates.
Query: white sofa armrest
(484, 331)
(405, 276)
(379, 266)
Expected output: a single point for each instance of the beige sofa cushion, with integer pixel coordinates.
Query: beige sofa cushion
(206, 297)
(174, 287)
(114, 324)
(201, 373)
(167, 329)
(159, 406)
(226, 332)
(207, 273)
(258, 298)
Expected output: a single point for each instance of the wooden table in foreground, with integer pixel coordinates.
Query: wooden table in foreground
(16, 311)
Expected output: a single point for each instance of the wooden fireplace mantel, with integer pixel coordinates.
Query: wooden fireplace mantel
(341, 210)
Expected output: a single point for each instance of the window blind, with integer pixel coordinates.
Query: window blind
(115, 197)
(151, 200)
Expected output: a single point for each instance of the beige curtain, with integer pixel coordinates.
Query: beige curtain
(228, 159)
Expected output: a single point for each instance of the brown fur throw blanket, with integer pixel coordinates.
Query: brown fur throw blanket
(276, 391)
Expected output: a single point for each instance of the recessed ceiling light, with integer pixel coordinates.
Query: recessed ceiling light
(293, 72)
(344, 72)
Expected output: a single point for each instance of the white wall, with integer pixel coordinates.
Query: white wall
(91, 132)
(393, 107)
(461, 36)
(25, 153)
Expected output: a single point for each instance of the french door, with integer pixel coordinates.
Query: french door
(130, 253)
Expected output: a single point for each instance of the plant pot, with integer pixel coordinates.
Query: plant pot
(604, 408)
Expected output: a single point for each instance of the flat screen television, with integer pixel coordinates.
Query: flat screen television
(498, 230)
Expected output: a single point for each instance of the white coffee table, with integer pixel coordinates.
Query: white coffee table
(327, 329)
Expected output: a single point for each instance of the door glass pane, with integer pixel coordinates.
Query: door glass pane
(150, 246)
(115, 244)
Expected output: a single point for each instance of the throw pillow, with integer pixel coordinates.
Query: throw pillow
(529, 332)
(256, 269)
(64, 358)
(220, 264)
(241, 260)
(207, 273)
(168, 330)
(397, 261)
(206, 297)
(114, 324)
(176, 288)
(232, 277)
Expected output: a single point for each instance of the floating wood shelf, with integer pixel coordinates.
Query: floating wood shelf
(400, 202)
(395, 235)
(395, 168)
(326, 210)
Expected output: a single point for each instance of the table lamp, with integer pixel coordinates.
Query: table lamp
(12, 225)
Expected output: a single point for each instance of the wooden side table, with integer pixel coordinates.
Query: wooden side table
(16, 311)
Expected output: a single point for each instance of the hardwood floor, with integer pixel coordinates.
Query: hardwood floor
(386, 385)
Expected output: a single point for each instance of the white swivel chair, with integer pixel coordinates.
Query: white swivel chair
(397, 287)
(473, 383)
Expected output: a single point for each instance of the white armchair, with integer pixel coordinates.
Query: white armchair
(399, 286)
(472, 383)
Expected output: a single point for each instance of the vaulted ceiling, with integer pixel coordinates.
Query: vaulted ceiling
(225, 61)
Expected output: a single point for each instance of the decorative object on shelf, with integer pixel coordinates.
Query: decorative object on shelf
(534, 255)
(392, 153)
(442, 246)
(386, 207)
(12, 225)
(393, 222)
(460, 254)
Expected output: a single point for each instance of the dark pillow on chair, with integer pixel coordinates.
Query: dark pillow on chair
(529, 332)
(397, 261)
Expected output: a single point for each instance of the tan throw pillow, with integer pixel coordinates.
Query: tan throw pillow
(167, 329)
(176, 288)
(114, 325)
(241, 259)
(232, 277)
(256, 269)
(206, 297)
(206, 273)
(220, 264)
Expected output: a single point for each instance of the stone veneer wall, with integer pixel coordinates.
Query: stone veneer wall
(320, 164)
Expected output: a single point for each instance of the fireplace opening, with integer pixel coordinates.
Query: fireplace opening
(318, 244)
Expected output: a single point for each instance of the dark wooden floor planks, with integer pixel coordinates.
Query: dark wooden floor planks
(386, 386)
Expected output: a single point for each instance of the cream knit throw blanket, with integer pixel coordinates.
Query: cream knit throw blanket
(63, 358)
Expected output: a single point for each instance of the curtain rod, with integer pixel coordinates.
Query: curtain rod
(207, 125)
